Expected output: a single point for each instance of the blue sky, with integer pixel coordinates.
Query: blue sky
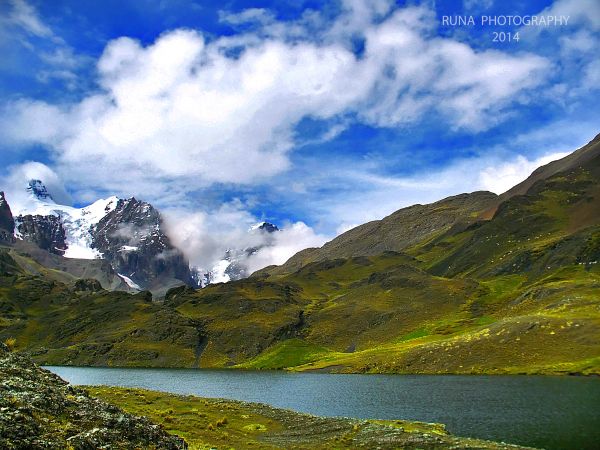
(314, 115)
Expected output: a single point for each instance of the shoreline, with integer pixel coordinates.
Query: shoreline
(324, 371)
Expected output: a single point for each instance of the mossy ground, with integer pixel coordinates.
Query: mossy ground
(224, 424)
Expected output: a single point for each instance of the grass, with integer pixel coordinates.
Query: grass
(289, 353)
(421, 332)
(216, 423)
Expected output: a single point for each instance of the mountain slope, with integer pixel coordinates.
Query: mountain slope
(574, 160)
(7, 223)
(398, 231)
(517, 293)
(81, 322)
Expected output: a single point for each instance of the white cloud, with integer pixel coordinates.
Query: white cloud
(501, 177)
(23, 26)
(188, 113)
(205, 237)
(579, 11)
(477, 5)
(25, 16)
(284, 244)
(250, 15)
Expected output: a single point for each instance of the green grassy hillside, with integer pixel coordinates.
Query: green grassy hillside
(84, 324)
(518, 293)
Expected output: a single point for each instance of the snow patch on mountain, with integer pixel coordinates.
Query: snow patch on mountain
(76, 221)
(128, 248)
(218, 274)
(132, 284)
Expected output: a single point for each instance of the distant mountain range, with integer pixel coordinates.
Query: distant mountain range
(233, 265)
(127, 233)
(474, 283)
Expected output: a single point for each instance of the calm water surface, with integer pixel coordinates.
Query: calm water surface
(548, 412)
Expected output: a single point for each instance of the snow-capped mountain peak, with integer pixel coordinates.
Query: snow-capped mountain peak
(127, 233)
(264, 226)
(38, 191)
(76, 222)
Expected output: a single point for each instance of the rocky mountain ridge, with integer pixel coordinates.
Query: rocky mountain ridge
(47, 232)
(396, 232)
(131, 237)
(7, 223)
(126, 233)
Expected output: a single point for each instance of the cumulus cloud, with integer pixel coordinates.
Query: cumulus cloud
(284, 244)
(188, 112)
(205, 237)
(585, 12)
(501, 177)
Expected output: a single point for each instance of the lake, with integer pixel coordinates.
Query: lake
(539, 411)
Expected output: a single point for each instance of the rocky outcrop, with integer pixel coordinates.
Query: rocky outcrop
(38, 190)
(38, 409)
(7, 223)
(47, 232)
(87, 285)
(131, 238)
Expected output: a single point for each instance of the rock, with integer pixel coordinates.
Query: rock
(88, 285)
(47, 232)
(145, 296)
(38, 409)
(7, 223)
(131, 237)
(38, 190)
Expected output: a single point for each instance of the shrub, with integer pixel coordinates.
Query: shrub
(11, 343)
(222, 422)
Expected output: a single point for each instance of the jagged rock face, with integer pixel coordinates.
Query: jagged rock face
(7, 223)
(268, 227)
(38, 190)
(41, 410)
(131, 238)
(47, 232)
